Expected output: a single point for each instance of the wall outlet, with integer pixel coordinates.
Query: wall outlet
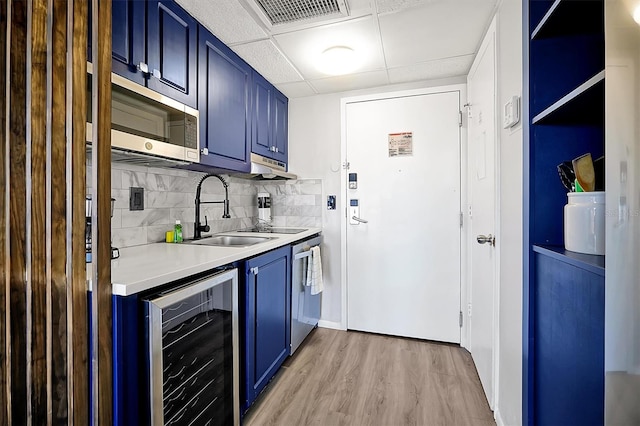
(136, 198)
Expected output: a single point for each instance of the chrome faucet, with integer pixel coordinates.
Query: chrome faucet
(198, 228)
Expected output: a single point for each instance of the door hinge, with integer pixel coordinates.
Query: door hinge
(254, 270)
(345, 165)
(461, 319)
(461, 219)
(459, 118)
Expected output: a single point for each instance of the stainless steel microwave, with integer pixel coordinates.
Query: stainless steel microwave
(144, 121)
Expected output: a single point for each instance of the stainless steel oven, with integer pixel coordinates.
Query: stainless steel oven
(193, 352)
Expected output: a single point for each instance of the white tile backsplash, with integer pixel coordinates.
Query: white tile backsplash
(169, 194)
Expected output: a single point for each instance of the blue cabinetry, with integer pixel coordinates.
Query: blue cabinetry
(270, 120)
(224, 103)
(128, 38)
(267, 309)
(568, 335)
(154, 43)
(172, 40)
(563, 311)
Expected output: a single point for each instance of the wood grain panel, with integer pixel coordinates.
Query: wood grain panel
(17, 224)
(77, 319)
(353, 378)
(57, 182)
(4, 259)
(101, 245)
(36, 214)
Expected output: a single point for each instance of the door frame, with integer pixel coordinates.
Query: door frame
(489, 37)
(344, 223)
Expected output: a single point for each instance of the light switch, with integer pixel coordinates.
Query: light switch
(331, 202)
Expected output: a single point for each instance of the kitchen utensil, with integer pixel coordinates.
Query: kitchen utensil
(598, 167)
(565, 171)
(583, 168)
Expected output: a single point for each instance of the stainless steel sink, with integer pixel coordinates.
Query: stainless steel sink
(230, 241)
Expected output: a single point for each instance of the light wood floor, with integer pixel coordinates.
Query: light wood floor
(352, 378)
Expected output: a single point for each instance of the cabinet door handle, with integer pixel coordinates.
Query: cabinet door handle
(156, 74)
(204, 151)
(254, 270)
(144, 68)
(276, 149)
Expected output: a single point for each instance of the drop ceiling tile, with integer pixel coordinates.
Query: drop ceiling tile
(304, 47)
(439, 68)
(386, 6)
(434, 30)
(350, 82)
(298, 89)
(265, 57)
(226, 19)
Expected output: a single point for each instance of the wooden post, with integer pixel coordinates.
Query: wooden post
(4, 257)
(43, 282)
(101, 217)
(17, 217)
(77, 309)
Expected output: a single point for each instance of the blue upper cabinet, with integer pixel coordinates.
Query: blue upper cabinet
(155, 43)
(281, 125)
(260, 127)
(171, 51)
(269, 122)
(128, 38)
(224, 99)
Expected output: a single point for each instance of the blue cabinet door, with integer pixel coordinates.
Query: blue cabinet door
(224, 98)
(128, 38)
(280, 126)
(171, 49)
(568, 344)
(268, 310)
(261, 132)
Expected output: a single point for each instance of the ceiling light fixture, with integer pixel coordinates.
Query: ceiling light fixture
(338, 60)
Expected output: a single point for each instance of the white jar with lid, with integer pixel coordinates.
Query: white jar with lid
(584, 222)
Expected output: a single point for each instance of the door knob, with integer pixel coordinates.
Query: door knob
(482, 239)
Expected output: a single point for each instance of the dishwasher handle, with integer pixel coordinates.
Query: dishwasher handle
(303, 254)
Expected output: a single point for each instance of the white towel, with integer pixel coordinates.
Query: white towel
(314, 271)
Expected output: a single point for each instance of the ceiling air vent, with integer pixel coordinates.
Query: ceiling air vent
(291, 11)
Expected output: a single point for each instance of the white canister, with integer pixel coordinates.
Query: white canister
(584, 217)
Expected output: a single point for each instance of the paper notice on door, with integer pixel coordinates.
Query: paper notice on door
(400, 144)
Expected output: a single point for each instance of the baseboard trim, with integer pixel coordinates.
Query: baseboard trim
(498, 418)
(331, 324)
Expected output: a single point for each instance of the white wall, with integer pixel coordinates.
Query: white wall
(509, 397)
(314, 152)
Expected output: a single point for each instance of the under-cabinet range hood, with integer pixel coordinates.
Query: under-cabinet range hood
(266, 168)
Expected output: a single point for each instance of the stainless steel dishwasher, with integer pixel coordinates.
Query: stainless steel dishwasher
(193, 352)
(305, 307)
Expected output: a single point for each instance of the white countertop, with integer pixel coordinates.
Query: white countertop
(144, 267)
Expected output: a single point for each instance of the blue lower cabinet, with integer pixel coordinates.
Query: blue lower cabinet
(130, 389)
(265, 322)
(568, 343)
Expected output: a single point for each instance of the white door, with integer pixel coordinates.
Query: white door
(403, 265)
(482, 148)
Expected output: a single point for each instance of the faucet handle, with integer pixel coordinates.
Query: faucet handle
(205, 227)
